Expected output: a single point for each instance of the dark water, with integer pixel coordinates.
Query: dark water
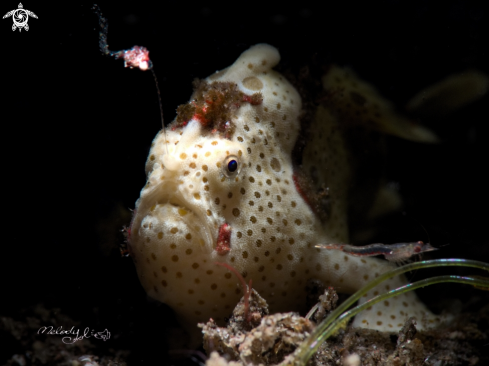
(77, 128)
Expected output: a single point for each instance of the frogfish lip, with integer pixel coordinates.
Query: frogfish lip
(170, 212)
(195, 221)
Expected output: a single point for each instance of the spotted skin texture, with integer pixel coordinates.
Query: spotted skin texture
(191, 197)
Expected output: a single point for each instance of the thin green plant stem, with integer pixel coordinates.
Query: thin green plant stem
(310, 345)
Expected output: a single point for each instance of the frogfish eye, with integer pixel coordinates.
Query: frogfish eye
(231, 166)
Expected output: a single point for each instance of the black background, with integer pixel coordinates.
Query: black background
(76, 130)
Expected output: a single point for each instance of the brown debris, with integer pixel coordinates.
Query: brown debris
(213, 105)
(327, 303)
(273, 340)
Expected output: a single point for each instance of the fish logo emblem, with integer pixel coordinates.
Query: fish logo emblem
(20, 17)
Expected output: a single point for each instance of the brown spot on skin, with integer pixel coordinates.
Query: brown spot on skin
(386, 303)
(195, 265)
(252, 83)
(163, 269)
(188, 251)
(213, 286)
(236, 212)
(275, 164)
(163, 283)
(379, 323)
(174, 258)
(345, 258)
(365, 277)
(405, 303)
(336, 266)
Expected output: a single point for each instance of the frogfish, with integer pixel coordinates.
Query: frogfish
(236, 179)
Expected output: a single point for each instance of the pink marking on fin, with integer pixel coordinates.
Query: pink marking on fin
(224, 239)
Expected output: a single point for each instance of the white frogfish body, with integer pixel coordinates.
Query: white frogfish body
(222, 187)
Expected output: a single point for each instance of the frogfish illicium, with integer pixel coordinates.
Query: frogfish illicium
(225, 184)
